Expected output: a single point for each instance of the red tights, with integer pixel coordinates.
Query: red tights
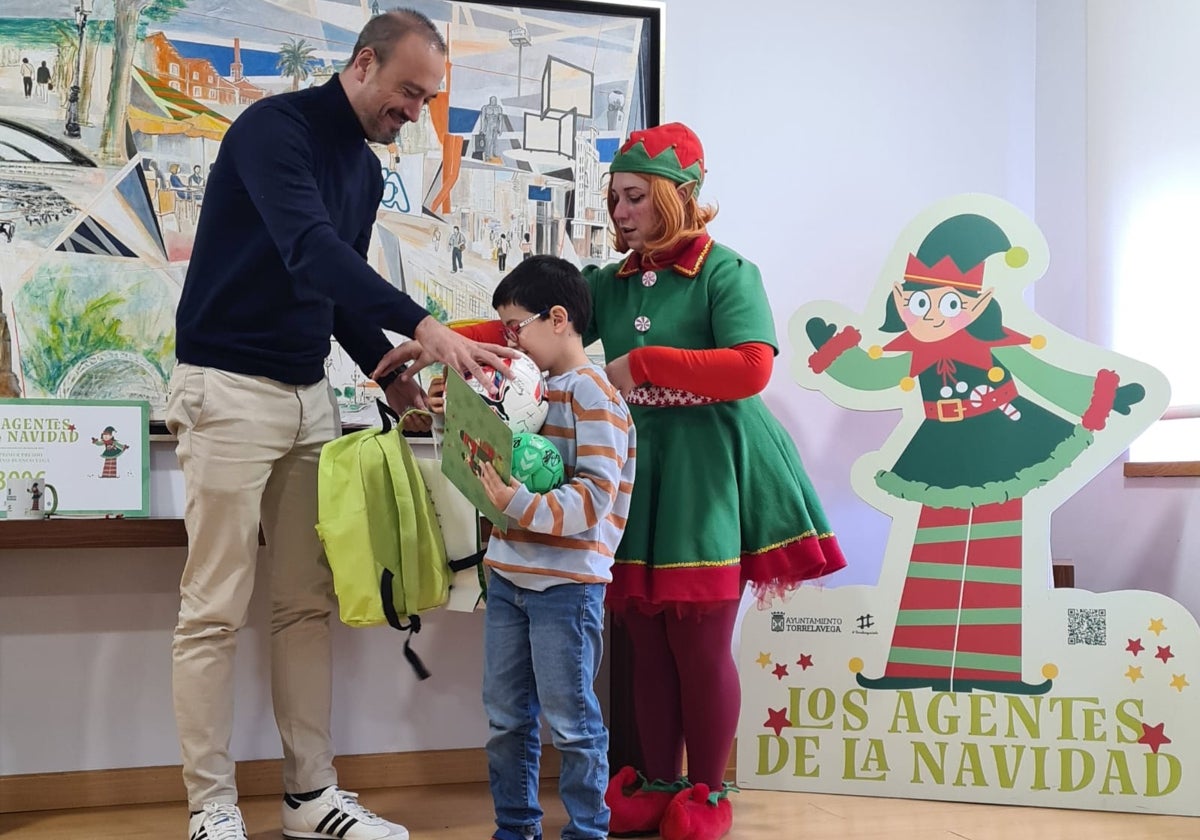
(685, 690)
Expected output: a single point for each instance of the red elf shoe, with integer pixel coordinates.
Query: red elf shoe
(697, 814)
(637, 805)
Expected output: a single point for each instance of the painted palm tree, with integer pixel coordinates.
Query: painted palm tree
(296, 59)
(126, 15)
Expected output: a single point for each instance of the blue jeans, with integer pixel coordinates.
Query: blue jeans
(541, 654)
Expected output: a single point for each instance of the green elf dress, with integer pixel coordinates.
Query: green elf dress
(720, 497)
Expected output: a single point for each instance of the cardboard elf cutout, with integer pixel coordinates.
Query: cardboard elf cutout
(1004, 417)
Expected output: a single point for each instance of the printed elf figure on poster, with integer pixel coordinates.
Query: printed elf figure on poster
(999, 409)
(112, 449)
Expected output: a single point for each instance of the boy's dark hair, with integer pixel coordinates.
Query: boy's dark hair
(543, 281)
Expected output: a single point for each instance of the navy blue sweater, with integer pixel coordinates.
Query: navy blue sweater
(279, 262)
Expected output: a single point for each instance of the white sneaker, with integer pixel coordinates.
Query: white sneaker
(337, 814)
(218, 821)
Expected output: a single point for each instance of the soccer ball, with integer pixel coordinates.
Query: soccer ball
(521, 401)
(536, 463)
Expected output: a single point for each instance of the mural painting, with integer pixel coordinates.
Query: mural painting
(114, 111)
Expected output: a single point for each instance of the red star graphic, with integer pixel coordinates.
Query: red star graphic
(70, 427)
(777, 720)
(781, 670)
(1153, 737)
(1164, 653)
(805, 661)
(1134, 646)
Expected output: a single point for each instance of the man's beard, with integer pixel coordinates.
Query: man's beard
(382, 137)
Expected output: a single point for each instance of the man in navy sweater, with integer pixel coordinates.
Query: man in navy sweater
(278, 267)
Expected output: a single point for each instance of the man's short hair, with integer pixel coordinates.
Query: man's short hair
(384, 31)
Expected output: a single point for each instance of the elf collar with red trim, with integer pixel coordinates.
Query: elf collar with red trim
(687, 258)
(960, 347)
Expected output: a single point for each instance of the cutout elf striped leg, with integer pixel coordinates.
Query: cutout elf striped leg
(959, 623)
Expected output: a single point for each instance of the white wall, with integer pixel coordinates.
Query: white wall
(1118, 193)
(827, 127)
(85, 652)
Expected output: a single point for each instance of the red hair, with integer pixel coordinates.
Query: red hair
(678, 219)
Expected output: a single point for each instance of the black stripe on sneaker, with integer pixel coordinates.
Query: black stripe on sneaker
(330, 818)
(349, 825)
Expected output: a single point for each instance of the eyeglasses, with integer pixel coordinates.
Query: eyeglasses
(514, 333)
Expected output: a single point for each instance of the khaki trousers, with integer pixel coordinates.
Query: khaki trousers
(248, 447)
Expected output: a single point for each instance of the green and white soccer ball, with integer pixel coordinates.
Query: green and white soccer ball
(536, 462)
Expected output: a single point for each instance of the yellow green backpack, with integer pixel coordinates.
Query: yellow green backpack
(377, 523)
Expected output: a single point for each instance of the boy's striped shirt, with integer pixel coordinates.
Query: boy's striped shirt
(570, 534)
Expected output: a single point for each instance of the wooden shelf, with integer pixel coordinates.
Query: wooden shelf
(158, 532)
(1161, 469)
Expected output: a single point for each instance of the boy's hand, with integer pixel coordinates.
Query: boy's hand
(437, 395)
(499, 493)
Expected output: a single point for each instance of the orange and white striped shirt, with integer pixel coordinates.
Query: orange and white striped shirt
(570, 534)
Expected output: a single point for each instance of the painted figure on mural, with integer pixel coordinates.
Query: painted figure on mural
(491, 123)
(1003, 416)
(616, 108)
(43, 82)
(27, 77)
(457, 242)
(501, 252)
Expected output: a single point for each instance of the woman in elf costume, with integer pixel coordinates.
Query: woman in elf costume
(982, 447)
(720, 498)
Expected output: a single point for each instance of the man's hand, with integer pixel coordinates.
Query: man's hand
(419, 421)
(500, 494)
(439, 343)
(416, 421)
(404, 394)
(398, 356)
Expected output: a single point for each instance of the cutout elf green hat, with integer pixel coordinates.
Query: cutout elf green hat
(672, 151)
(953, 253)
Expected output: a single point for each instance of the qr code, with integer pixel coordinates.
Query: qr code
(1086, 627)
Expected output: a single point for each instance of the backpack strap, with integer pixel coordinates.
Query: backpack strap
(387, 415)
(419, 537)
(393, 618)
(468, 562)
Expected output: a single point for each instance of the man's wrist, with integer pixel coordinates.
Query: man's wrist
(385, 381)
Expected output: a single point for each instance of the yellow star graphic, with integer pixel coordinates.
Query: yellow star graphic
(1134, 673)
(764, 659)
(1179, 682)
(1156, 626)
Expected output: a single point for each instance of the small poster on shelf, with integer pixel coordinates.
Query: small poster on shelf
(79, 457)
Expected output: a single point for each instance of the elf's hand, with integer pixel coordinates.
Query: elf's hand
(1127, 397)
(819, 331)
(499, 493)
(619, 374)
